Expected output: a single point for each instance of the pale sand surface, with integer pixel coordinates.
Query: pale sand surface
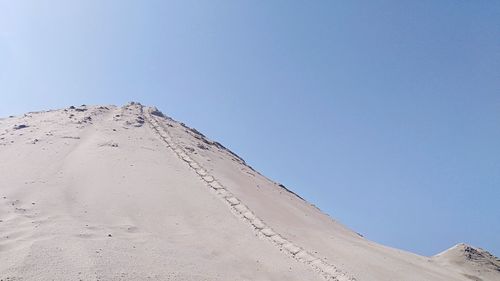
(118, 193)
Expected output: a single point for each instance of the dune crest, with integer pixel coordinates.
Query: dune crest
(471, 261)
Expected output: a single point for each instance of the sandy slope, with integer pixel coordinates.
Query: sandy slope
(109, 193)
(469, 261)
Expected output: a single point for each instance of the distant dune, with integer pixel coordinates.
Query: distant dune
(126, 193)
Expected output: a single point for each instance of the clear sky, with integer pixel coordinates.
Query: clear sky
(385, 114)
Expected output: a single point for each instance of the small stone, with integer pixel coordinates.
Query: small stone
(18, 127)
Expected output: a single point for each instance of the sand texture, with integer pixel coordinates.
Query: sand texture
(126, 193)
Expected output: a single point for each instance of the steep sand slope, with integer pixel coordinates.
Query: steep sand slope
(63, 196)
(107, 193)
(303, 224)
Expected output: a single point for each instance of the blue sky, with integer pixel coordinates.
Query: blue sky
(385, 114)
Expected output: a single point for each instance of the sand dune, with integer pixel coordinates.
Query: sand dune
(125, 193)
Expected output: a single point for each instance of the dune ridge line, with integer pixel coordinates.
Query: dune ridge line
(326, 270)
